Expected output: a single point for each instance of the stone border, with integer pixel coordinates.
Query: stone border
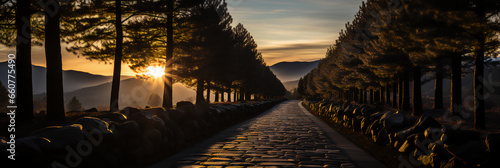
(357, 156)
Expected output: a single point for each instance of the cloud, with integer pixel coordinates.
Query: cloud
(294, 30)
(309, 51)
(299, 46)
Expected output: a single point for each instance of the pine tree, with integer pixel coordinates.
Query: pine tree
(15, 31)
(55, 93)
(74, 105)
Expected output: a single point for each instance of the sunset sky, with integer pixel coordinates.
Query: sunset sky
(285, 30)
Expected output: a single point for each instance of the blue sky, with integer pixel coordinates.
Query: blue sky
(285, 30)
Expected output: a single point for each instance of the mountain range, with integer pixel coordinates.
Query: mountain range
(72, 80)
(290, 72)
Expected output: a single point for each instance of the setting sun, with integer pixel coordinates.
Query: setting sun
(153, 71)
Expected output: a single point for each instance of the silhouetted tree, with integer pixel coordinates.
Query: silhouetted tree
(24, 99)
(15, 26)
(74, 105)
(55, 93)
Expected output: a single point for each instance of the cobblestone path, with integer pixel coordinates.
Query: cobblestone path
(283, 137)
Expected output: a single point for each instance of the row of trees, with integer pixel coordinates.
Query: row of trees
(391, 43)
(217, 57)
(209, 53)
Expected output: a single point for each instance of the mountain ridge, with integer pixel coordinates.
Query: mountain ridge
(292, 71)
(72, 79)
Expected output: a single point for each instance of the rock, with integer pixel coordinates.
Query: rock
(376, 116)
(408, 145)
(94, 124)
(433, 133)
(91, 110)
(176, 114)
(393, 140)
(128, 111)
(357, 111)
(163, 115)
(34, 148)
(154, 111)
(458, 136)
(438, 149)
(59, 137)
(144, 119)
(373, 128)
(368, 111)
(381, 137)
(392, 121)
(423, 123)
(428, 160)
(128, 129)
(128, 134)
(356, 123)
(493, 143)
(365, 122)
(154, 136)
(115, 116)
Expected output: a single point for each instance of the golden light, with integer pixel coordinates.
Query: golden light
(154, 71)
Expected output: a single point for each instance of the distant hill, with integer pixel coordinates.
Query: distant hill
(291, 84)
(133, 92)
(292, 71)
(72, 80)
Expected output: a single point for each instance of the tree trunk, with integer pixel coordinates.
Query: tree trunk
(55, 93)
(400, 92)
(417, 91)
(247, 96)
(199, 91)
(479, 96)
(365, 98)
(395, 94)
(24, 99)
(355, 95)
(376, 96)
(235, 95)
(359, 95)
(456, 84)
(388, 94)
(115, 87)
(372, 96)
(216, 96)
(241, 95)
(208, 93)
(341, 96)
(438, 85)
(167, 93)
(382, 96)
(229, 95)
(222, 97)
(406, 91)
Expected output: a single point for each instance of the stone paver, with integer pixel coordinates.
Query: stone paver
(283, 137)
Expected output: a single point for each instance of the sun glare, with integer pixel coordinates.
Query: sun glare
(153, 71)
